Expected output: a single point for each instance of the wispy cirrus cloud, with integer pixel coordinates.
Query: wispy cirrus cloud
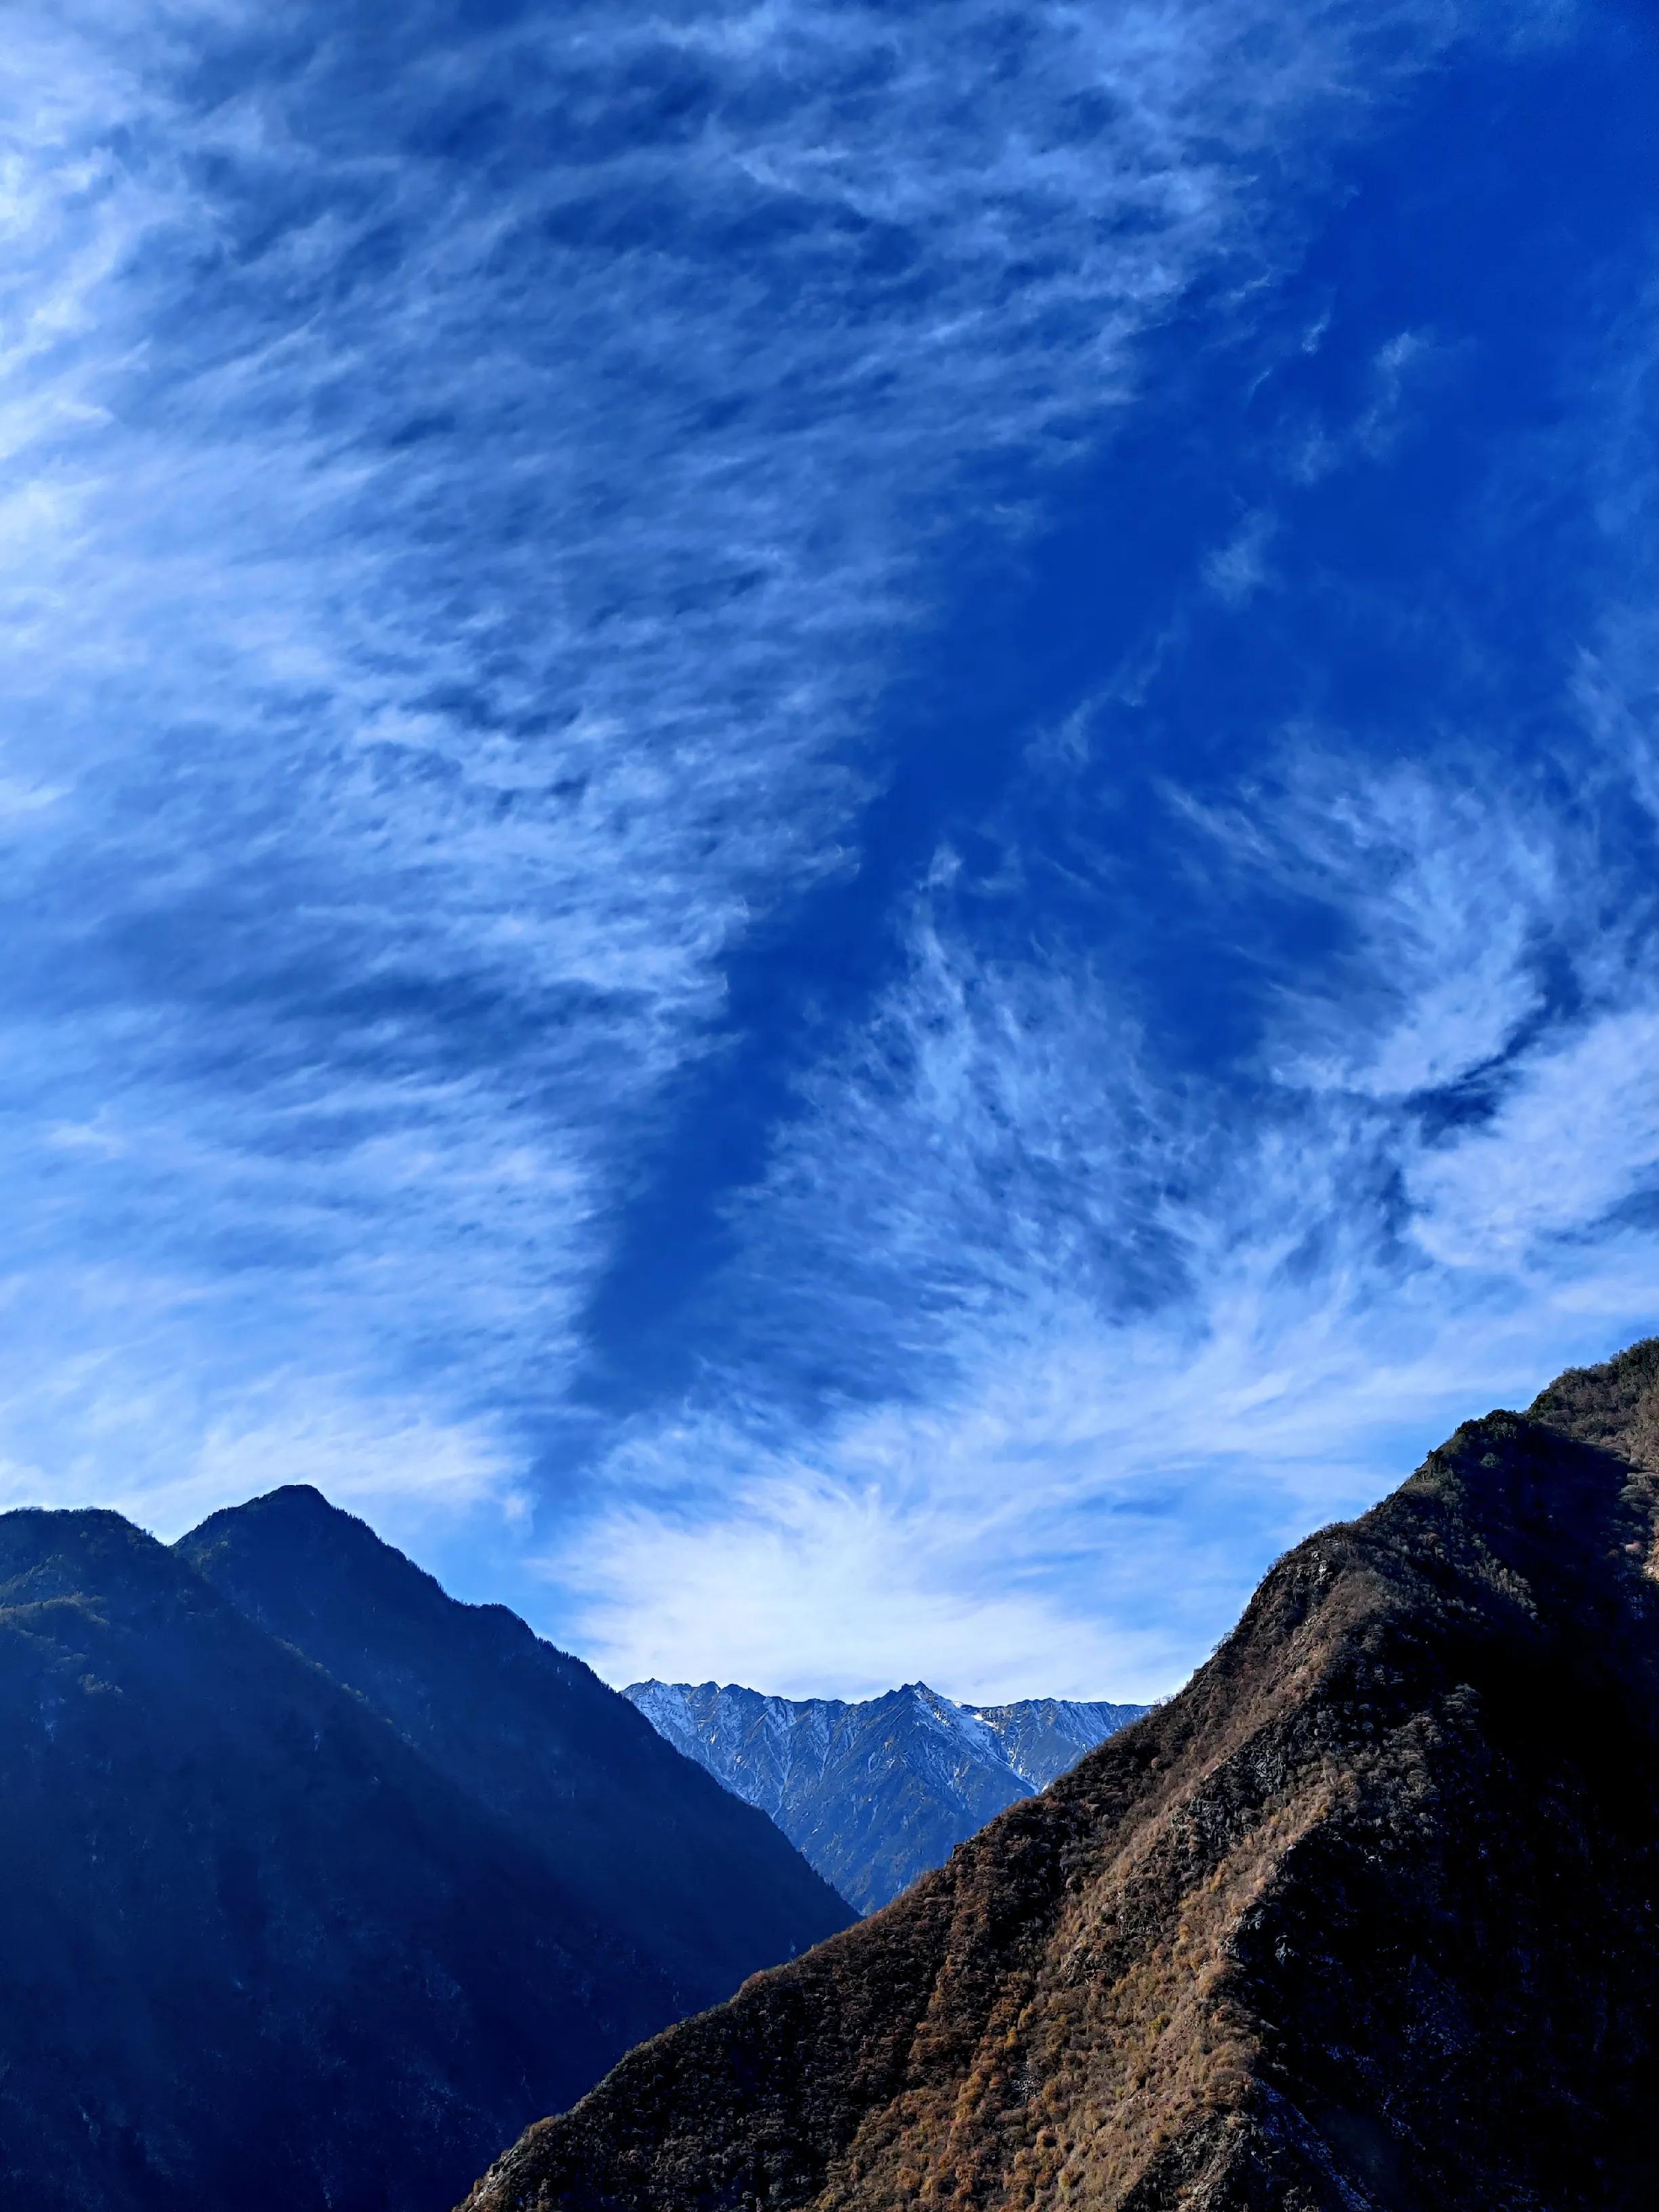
(1093, 1340)
(467, 485)
(474, 490)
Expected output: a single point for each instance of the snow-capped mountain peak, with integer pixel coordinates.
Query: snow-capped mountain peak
(877, 1791)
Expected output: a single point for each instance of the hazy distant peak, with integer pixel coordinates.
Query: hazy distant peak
(46, 1554)
(876, 1791)
(32, 1532)
(294, 1508)
(292, 1551)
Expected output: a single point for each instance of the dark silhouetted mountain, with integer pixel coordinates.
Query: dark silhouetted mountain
(699, 1888)
(256, 1947)
(1365, 1920)
(876, 1792)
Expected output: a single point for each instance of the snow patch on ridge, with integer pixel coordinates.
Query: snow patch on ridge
(875, 1792)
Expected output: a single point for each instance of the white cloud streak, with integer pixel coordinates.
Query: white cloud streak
(466, 492)
(1147, 1342)
(464, 487)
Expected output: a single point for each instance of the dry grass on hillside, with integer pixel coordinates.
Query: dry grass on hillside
(1360, 1919)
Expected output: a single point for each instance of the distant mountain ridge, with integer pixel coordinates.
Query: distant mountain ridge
(315, 1884)
(876, 1791)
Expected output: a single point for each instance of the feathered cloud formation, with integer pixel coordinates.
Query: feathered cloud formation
(477, 487)
(1097, 1336)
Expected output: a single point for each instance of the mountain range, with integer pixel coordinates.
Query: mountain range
(315, 1884)
(1366, 1919)
(876, 1792)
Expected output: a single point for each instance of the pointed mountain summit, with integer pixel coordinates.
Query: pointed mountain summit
(253, 1949)
(275, 1938)
(876, 1792)
(699, 1888)
(1365, 1920)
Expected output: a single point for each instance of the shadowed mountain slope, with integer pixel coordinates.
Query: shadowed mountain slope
(259, 1946)
(701, 1889)
(876, 1792)
(1365, 1920)
(253, 1949)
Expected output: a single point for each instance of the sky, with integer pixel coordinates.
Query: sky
(831, 831)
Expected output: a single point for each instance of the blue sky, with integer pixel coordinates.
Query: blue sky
(830, 830)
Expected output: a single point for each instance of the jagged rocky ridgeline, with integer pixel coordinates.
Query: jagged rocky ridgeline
(1365, 1920)
(877, 1791)
(316, 1885)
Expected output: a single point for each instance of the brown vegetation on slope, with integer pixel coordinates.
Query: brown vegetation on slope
(1364, 1918)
